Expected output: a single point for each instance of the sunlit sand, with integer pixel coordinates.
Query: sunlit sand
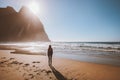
(35, 67)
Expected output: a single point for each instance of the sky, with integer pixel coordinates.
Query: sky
(76, 20)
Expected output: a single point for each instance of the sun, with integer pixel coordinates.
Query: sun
(34, 7)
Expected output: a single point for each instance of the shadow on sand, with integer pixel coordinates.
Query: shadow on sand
(57, 74)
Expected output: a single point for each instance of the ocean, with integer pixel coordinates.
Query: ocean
(96, 52)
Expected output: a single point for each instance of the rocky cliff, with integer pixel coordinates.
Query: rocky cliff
(20, 26)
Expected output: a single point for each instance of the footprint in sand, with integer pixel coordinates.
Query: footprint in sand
(20, 63)
(38, 73)
(43, 70)
(48, 72)
(33, 62)
(2, 62)
(33, 65)
(72, 79)
(14, 62)
(12, 58)
(31, 76)
(36, 62)
(25, 65)
(3, 57)
(26, 79)
(50, 77)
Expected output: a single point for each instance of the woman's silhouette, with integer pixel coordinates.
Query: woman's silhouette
(50, 53)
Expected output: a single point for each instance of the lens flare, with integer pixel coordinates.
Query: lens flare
(34, 7)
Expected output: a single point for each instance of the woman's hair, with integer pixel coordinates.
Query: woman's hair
(49, 46)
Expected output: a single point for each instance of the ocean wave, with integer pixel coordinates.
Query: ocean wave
(64, 46)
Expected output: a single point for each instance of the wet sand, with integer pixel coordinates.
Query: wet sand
(35, 67)
(90, 58)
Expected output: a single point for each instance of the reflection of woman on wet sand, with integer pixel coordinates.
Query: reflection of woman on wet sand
(50, 53)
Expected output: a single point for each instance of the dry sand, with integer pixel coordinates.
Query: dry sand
(35, 67)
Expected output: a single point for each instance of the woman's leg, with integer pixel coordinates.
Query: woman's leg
(49, 60)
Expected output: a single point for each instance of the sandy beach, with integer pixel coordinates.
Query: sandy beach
(35, 67)
(59, 39)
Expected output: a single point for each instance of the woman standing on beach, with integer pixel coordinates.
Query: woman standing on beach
(50, 53)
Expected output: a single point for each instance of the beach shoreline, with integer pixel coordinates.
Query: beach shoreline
(35, 67)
